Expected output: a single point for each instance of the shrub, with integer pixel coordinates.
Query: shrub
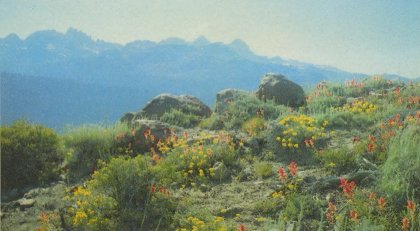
(89, 144)
(245, 107)
(268, 206)
(179, 118)
(187, 218)
(401, 175)
(302, 209)
(214, 122)
(124, 195)
(254, 126)
(299, 131)
(30, 154)
(200, 161)
(338, 161)
(348, 120)
(263, 169)
(304, 155)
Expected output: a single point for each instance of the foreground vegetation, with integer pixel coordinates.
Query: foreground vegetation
(347, 160)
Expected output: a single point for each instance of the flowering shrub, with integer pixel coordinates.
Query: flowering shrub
(358, 106)
(124, 195)
(195, 162)
(194, 224)
(301, 131)
(254, 126)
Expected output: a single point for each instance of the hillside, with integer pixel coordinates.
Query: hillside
(347, 159)
(71, 67)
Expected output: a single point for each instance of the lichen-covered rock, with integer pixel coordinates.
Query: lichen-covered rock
(128, 117)
(166, 102)
(26, 203)
(226, 96)
(281, 90)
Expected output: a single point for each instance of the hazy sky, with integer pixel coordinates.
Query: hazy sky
(369, 36)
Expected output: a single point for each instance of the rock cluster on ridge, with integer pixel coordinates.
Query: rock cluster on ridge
(283, 91)
(163, 103)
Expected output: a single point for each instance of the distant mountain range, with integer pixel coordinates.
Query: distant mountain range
(67, 78)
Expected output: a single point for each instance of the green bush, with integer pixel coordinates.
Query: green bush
(179, 118)
(338, 161)
(30, 154)
(268, 206)
(302, 209)
(263, 169)
(401, 175)
(124, 195)
(245, 107)
(214, 122)
(322, 104)
(348, 120)
(87, 145)
(254, 126)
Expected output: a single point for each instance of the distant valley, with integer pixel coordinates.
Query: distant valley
(67, 78)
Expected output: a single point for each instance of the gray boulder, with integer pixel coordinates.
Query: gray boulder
(283, 91)
(224, 97)
(165, 102)
(128, 117)
(26, 203)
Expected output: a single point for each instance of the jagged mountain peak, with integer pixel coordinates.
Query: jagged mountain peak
(201, 41)
(173, 41)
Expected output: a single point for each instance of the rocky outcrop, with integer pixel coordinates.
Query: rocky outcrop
(165, 102)
(226, 96)
(128, 117)
(278, 88)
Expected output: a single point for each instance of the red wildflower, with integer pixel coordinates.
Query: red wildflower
(146, 133)
(381, 202)
(185, 135)
(372, 196)
(370, 147)
(382, 126)
(153, 188)
(355, 139)
(152, 138)
(309, 143)
(401, 100)
(405, 224)
(348, 187)
(397, 90)
(241, 227)
(371, 138)
(331, 212)
(282, 174)
(411, 206)
(353, 215)
(293, 168)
